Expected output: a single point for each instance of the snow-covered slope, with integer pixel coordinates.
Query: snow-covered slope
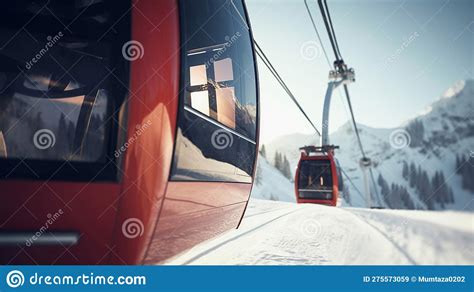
(277, 233)
(430, 140)
(270, 184)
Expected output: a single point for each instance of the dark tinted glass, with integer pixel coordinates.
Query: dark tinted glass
(315, 179)
(58, 79)
(217, 124)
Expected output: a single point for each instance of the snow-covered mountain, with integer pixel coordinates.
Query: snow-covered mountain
(437, 148)
(270, 184)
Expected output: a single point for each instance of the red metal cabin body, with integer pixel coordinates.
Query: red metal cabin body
(318, 167)
(152, 116)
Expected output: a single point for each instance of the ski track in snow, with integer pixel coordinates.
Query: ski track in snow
(278, 233)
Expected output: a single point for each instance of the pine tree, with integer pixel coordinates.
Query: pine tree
(384, 189)
(443, 188)
(263, 151)
(425, 189)
(395, 199)
(437, 184)
(413, 175)
(346, 194)
(459, 159)
(466, 170)
(405, 170)
(469, 174)
(416, 131)
(62, 139)
(258, 175)
(406, 199)
(451, 195)
(71, 130)
(286, 169)
(277, 162)
(283, 166)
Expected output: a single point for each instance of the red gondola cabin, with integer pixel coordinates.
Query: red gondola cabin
(128, 129)
(316, 179)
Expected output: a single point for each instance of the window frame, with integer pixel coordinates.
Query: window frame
(211, 90)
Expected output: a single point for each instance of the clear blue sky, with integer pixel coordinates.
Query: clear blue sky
(394, 82)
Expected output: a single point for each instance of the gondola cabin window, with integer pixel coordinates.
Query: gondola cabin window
(62, 79)
(217, 124)
(315, 179)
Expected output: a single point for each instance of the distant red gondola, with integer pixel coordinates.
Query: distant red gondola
(316, 179)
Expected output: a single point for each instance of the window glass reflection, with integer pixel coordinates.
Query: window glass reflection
(198, 75)
(200, 101)
(218, 117)
(226, 106)
(223, 70)
(55, 83)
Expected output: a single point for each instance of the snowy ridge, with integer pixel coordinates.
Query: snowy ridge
(270, 184)
(430, 140)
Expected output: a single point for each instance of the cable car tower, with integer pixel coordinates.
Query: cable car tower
(341, 75)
